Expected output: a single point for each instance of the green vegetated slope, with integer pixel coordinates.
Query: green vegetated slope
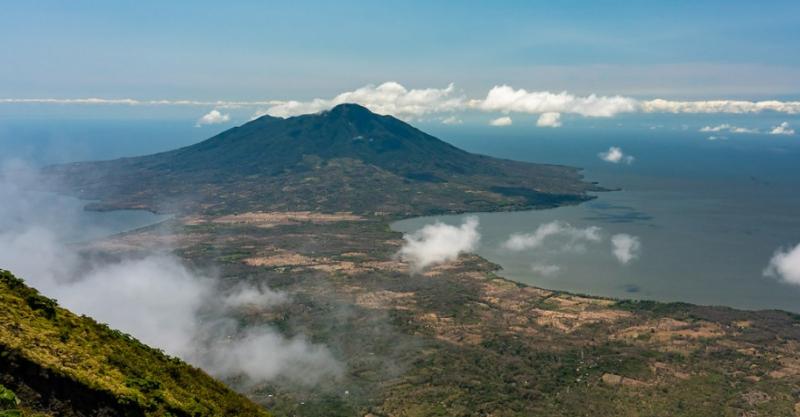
(345, 159)
(57, 363)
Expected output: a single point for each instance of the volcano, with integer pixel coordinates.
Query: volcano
(344, 159)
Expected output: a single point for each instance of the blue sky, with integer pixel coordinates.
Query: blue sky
(255, 49)
(260, 51)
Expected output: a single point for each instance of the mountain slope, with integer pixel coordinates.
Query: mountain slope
(62, 364)
(345, 159)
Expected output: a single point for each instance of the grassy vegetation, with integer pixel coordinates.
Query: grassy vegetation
(108, 369)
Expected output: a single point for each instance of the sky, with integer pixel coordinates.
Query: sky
(256, 51)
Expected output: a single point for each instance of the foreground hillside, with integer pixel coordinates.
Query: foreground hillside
(345, 159)
(53, 362)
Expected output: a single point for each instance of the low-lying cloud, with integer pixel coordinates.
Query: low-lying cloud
(439, 242)
(151, 295)
(545, 270)
(785, 265)
(572, 237)
(615, 155)
(725, 127)
(452, 120)
(625, 247)
(549, 119)
(501, 121)
(212, 118)
(782, 129)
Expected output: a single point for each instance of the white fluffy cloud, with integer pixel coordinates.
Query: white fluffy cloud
(501, 121)
(782, 129)
(387, 98)
(213, 117)
(261, 354)
(507, 99)
(615, 156)
(574, 236)
(719, 106)
(625, 247)
(152, 295)
(728, 128)
(549, 119)
(785, 265)
(439, 242)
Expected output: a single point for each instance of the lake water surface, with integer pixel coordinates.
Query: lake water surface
(709, 217)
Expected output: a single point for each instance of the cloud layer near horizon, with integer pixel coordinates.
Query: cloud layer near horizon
(781, 129)
(395, 99)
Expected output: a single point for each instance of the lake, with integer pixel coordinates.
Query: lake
(709, 216)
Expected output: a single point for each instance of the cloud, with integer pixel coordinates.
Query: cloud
(719, 106)
(625, 247)
(150, 294)
(782, 129)
(262, 354)
(504, 98)
(393, 98)
(573, 236)
(212, 118)
(785, 265)
(439, 242)
(549, 119)
(452, 120)
(728, 128)
(253, 296)
(545, 270)
(615, 156)
(387, 98)
(716, 137)
(501, 121)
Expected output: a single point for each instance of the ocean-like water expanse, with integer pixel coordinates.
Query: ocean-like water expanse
(709, 214)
